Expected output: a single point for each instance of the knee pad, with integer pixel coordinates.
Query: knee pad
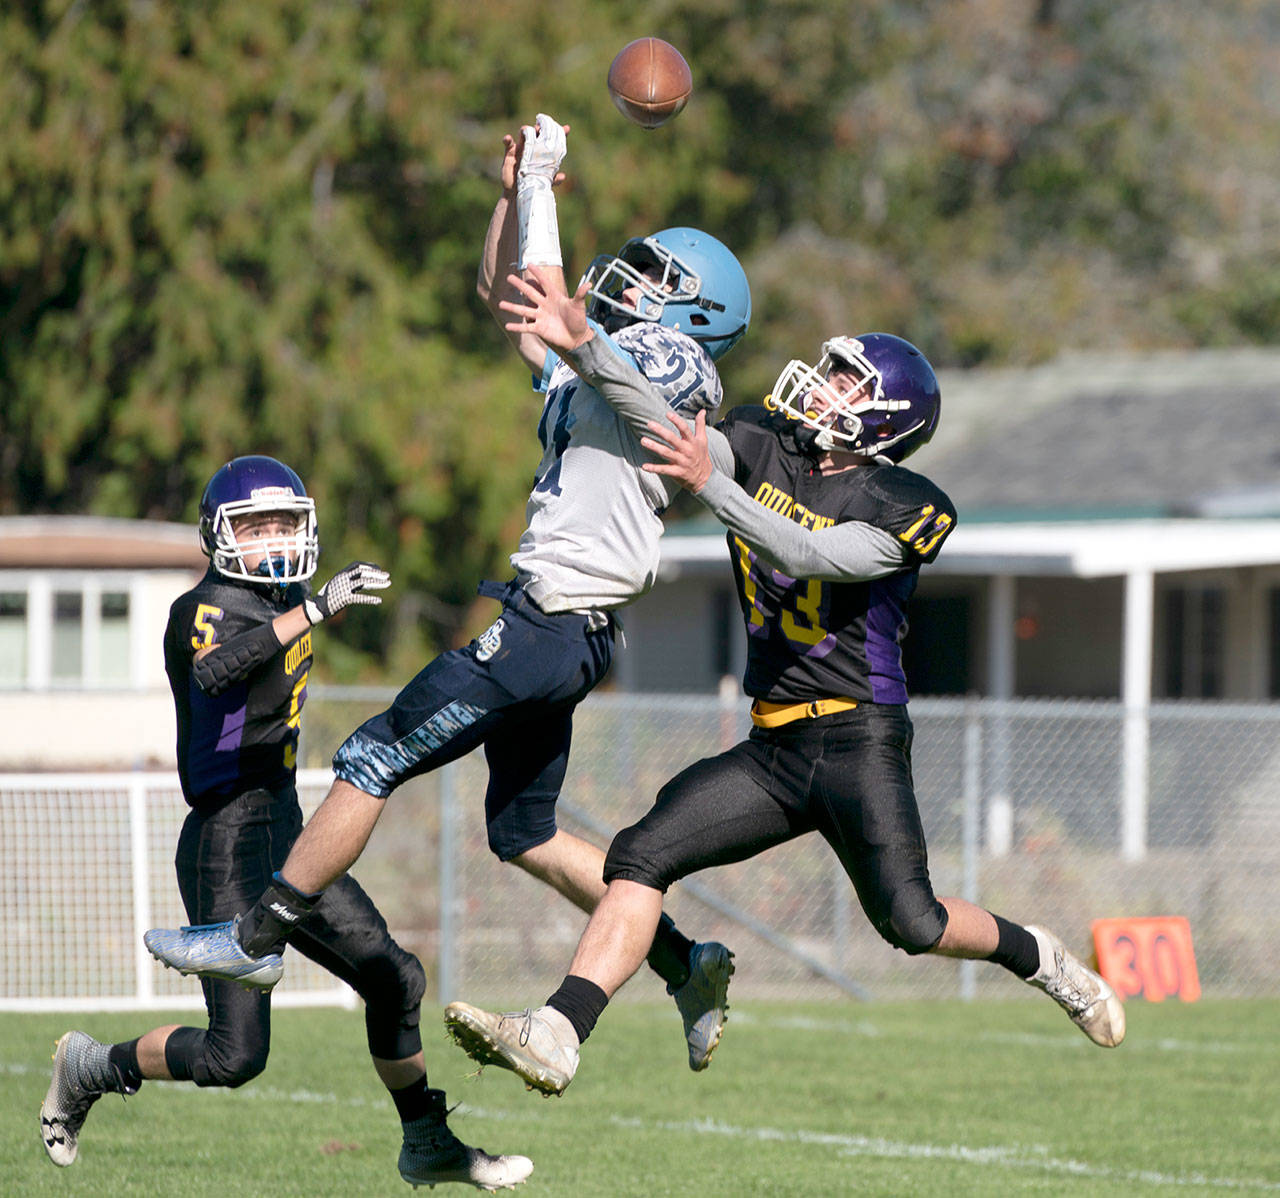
(230, 1068)
(392, 987)
(628, 861)
(914, 931)
(509, 839)
(368, 764)
(226, 1058)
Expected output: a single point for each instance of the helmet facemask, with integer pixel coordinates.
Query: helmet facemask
(287, 558)
(840, 420)
(609, 276)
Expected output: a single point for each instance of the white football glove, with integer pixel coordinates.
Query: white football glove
(351, 584)
(544, 150)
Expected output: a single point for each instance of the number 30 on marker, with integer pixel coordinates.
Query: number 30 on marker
(1149, 957)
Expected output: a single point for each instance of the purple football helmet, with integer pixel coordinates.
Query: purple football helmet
(889, 406)
(257, 485)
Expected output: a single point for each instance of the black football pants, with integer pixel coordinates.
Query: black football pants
(225, 860)
(846, 776)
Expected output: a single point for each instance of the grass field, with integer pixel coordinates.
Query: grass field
(903, 1099)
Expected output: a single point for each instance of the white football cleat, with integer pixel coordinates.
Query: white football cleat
(66, 1105)
(431, 1153)
(1094, 1006)
(538, 1045)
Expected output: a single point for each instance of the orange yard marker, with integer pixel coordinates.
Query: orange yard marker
(1147, 957)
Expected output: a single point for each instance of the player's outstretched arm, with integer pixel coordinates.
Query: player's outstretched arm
(219, 666)
(561, 321)
(523, 229)
(850, 551)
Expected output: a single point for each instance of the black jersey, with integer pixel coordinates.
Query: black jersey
(246, 737)
(808, 638)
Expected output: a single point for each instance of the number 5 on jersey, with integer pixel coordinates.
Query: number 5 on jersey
(206, 634)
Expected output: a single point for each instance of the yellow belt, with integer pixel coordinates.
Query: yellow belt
(774, 715)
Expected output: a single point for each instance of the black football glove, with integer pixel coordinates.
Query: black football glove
(351, 584)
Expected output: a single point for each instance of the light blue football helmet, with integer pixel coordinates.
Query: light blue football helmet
(683, 278)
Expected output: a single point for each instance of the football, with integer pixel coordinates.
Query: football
(650, 81)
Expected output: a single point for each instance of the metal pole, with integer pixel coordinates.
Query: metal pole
(1001, 681)
(142, 964)
(1139, 602)
(969, 828)
(841, 913)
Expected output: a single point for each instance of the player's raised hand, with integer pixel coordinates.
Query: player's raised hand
(548, 311)
(351, 584)
(544, 146)
(513, 151)
(683, 450)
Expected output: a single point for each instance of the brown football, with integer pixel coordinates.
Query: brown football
(650, 81)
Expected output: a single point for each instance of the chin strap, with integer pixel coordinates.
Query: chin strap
(809, 441)
(538, 231)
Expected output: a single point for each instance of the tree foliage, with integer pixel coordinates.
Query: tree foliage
(241, 227)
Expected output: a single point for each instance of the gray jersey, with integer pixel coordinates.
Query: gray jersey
(592, 539)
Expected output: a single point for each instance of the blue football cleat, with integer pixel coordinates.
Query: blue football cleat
(213, 951)
(702, 1001)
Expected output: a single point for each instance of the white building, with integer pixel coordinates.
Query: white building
(83, 606)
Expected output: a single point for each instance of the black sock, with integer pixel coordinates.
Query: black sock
(1018, 950)
(123, 1059)
(669, 955)
(271, 920)
(414, 1100)
(580, 1001)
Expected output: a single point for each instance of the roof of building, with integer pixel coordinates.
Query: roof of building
(1170, 434)
(97, 542)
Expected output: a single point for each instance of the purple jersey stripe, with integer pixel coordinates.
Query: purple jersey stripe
(885, 617)
(232, 731)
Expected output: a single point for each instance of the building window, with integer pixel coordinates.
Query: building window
(935, 652)
(1273, 688)
(68, 636)
(13, 638)
(113, 638)
(66, 630)
(1194, 648)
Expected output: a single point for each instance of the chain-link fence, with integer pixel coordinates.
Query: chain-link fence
(1024, 804)
(1029, 808)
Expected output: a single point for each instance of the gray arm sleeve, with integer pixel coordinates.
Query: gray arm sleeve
(848, 552)
(632, 395)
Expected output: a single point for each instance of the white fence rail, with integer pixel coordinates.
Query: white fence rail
(1028, 806)
(86, 866)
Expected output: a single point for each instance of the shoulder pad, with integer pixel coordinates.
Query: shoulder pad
(675, 364)
(919, 513)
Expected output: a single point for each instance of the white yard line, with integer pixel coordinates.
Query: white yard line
(868, 1029)
(1004, 1157)
(1014, 1156)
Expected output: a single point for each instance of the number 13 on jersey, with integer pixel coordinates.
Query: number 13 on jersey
(800, 611)
(923, 535)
